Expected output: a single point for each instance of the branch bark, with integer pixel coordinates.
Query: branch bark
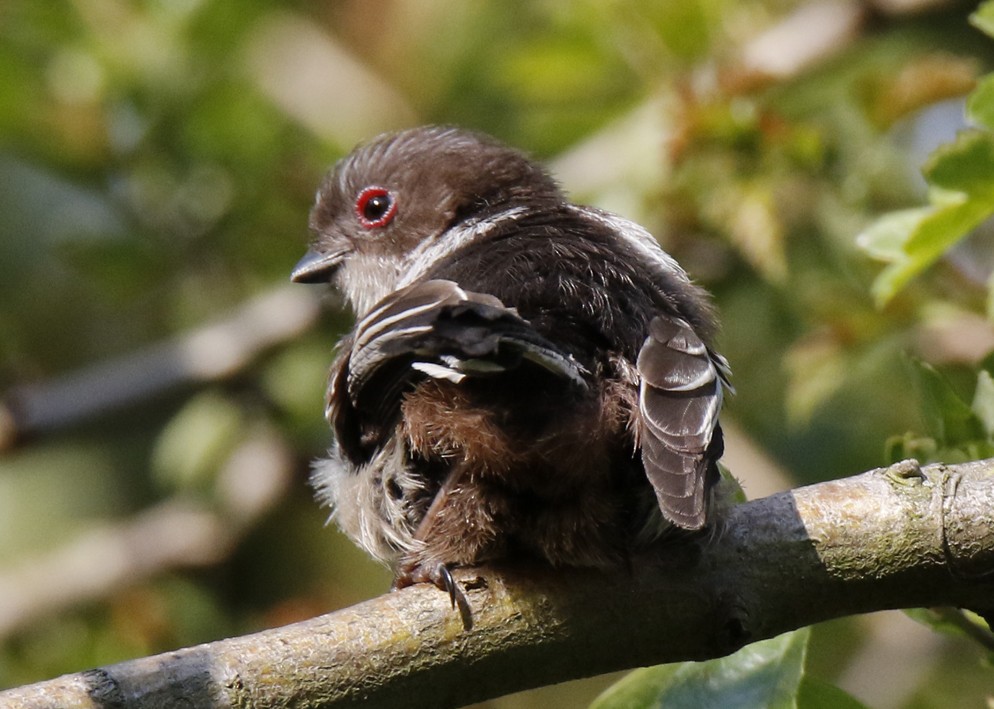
(897, 537)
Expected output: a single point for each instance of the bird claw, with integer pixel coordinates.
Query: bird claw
(441, 577)
(445, 582)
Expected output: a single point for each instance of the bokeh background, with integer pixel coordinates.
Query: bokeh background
(163, 384)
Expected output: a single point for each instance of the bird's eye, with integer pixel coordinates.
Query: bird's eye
(375, 207)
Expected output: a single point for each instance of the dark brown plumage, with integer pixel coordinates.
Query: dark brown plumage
(526, 377)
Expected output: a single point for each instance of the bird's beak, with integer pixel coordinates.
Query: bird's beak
(316, 267)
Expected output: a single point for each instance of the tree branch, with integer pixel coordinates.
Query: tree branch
(898, 537)
(205, 354)
(177, 532)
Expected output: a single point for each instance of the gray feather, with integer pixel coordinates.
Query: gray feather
(679, 399)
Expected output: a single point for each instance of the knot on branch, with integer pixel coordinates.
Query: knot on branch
(963, 498)
(735, 631)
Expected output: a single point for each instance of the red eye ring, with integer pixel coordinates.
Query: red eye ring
(375, 207)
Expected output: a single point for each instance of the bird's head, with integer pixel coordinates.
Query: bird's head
(380, 209)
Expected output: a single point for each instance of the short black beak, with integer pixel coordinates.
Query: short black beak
(316, 267)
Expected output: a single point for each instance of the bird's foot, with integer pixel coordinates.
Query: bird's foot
(439, 576)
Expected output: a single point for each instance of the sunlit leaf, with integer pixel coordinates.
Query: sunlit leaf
(964, 165)
(936, 233)
(765, 674)
(983, 18)
(886, 237)
(980, 104)
(962, 178)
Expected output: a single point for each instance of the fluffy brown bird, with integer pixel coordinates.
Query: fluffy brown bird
(527, 377)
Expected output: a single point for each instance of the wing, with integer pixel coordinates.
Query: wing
(430, 329)
(679, 399)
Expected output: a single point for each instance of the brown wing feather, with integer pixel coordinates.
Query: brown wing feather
(429, 329)
(679, 399)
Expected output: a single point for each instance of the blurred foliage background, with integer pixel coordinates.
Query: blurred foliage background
(164, 387)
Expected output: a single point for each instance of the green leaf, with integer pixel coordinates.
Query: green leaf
(987, 363)
(980, 103)
(938, 231)
(886, 237)
(641, 688)
(196, 441)
(948, 418)
(732, 489)
(817, 694)
(962, 196)
(765, 674)
(956, 622)
(964, 165)
(983, 18)
(983, 401)
(922, 448)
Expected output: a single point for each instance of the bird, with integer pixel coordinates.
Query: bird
(527, 378)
